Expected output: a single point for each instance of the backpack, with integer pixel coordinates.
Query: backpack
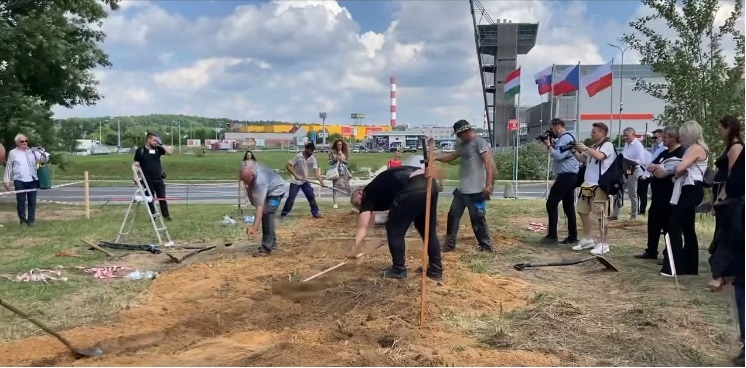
(612, 181)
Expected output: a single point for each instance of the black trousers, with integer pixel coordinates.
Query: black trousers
(658, 220)
(642, 193)
(158, 186)
(684, 245)
(563, 190)
(476, 205)
(408, 208)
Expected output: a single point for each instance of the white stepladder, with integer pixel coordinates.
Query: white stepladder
(138, 197)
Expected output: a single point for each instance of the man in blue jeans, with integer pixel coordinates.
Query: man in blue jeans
(299, 168)
(265, 190)
(21, 169)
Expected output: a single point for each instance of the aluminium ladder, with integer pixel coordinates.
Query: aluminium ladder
(143, 193)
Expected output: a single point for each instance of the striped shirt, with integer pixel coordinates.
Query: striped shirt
(21, 165)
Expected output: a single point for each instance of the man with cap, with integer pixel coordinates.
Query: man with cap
(403, 192)
(476, 178)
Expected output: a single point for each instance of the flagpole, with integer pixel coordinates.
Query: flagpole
(551, 96)
(611, 98)
(517, 135)
(577, 106)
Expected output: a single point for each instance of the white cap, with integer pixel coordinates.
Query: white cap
(416, 161)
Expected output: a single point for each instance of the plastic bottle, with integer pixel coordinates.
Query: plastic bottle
(228, 221)
(138, 275)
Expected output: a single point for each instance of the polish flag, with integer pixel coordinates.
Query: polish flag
(598, 80)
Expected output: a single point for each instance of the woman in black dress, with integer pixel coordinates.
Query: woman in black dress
(727, 259)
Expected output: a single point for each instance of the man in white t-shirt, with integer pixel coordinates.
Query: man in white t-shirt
(299, 168)
(593, 202)
(633, 151)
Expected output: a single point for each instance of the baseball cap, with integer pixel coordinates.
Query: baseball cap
(461, 126)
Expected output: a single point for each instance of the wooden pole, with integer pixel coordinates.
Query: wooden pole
(87, 194)
(429, 165)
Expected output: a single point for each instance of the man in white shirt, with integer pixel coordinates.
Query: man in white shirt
(299, 168)
(593, 202)
(633, 151)
(20, 167)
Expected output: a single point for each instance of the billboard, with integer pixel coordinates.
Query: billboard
(346, 131)
(194, 142)
(372, 129)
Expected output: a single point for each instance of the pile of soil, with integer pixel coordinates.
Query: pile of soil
(224, 314)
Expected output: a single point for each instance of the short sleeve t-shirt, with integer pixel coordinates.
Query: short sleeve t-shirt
(267, 183)
(303, 167)
(150, 161)
(662, 188)
(380, 193)
(592, 173)
(472, 173)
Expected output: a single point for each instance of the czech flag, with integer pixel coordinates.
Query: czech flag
(568, 81)
(544, 80)
(598, 80)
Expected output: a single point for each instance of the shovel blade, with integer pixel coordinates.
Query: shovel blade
(606, 263)
(94, 352)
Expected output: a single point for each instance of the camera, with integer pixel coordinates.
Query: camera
(543, 137)
(566, 147)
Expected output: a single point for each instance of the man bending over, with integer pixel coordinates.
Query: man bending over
(402, 191)
(265, 189)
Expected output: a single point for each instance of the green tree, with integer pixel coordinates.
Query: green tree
(47, 52)
(700, 83)
(532, 162)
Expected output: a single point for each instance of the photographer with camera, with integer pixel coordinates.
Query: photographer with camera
(148, 157)
(565, 167)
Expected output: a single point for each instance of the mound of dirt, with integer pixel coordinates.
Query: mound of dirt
(225, 314)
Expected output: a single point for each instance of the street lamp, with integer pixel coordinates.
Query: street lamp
(621, 88)
(119, 136)
(179, 125)
(322, 116)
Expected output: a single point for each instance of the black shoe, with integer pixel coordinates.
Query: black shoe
(660, 262)
(394, 273)
(547, 240)
(446, 248)
(486, 250)
(646, 255)
(570, 240)
(433, 272)
(167, 218)
(31, 223)
(262, 252)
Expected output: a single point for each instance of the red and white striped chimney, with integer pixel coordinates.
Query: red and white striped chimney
(393, 101)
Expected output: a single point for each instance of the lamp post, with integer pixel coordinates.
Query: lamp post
(119, 136)
(178, 123)
(621, 89)
(322, 116)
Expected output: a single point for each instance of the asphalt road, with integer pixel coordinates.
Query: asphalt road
(214, 193)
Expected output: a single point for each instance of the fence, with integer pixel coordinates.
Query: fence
(101, 192)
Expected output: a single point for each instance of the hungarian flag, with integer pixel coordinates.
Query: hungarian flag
(512, 84)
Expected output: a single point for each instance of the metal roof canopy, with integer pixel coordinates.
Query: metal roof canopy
(488, 36)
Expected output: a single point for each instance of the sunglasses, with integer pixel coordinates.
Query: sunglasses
(22, 141)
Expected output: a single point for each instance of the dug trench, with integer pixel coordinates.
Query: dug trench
(222, 313)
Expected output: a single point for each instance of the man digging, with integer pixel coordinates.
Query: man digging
(265, 190)
(403, 192)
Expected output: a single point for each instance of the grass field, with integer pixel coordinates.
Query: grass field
(211, 165)
(219, 309)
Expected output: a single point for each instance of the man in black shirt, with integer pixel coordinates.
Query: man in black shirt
(403, 192)
(148, 157)
(661, 187)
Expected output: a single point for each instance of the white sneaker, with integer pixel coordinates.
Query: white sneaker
(584, 244)
(335, 206)
(599, 249)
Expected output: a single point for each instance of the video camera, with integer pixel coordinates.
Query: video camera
(549, 135)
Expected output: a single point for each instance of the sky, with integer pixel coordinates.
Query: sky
(289, 60)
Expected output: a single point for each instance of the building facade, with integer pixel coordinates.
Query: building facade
(639, 110)
(346, 131)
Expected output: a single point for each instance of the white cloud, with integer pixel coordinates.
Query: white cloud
(291, 59)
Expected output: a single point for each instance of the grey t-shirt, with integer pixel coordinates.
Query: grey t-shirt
(472, 174)
(267, 183)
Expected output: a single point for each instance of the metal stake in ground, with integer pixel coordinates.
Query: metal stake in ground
(426, 241)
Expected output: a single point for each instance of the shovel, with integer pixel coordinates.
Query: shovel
(79, 353)
(602, 260)
(299, 290)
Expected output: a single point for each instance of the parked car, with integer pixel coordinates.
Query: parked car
(293, 150)
(447, 149)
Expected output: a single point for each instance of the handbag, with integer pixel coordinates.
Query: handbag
(45, 178)
(332, 173)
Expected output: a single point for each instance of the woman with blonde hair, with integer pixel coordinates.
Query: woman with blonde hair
(688, 194)
(339, 156)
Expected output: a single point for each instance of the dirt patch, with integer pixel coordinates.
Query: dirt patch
(221, 312)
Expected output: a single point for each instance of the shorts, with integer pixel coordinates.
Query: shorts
(592, 200)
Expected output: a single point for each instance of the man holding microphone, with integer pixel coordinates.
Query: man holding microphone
(565, 167)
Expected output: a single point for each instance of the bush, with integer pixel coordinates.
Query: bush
(532, 162)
